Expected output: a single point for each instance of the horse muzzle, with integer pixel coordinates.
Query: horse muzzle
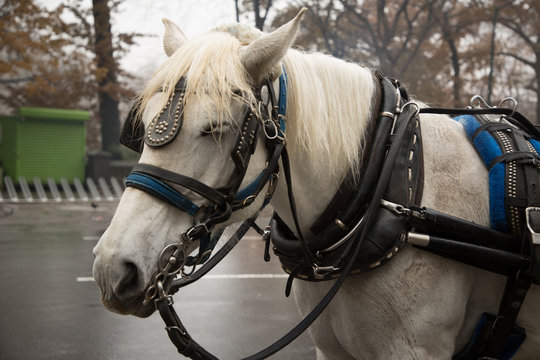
(122, 286)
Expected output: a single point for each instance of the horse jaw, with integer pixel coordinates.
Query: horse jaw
(261, 56)
(173, 38)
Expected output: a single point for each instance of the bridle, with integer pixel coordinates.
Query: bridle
(267, 115)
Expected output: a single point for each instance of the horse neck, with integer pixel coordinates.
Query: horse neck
(329, 106)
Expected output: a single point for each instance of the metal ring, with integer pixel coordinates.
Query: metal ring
(512, 100)
(163, 260)
(340, 224)
(150, 294)
(413, 103)
(247, 201)
(387, 114)
(270, 137)
(480, 100)
(160, 290)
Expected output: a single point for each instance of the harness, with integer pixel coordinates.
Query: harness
(371, 220)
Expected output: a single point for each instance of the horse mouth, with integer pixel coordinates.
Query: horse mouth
(133, 307)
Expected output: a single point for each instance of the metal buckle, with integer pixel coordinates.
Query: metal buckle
(535, 236)
(176, 328)
(395, 208)
(247, 201)
(191, 234)
(478, 101)
(321, 271)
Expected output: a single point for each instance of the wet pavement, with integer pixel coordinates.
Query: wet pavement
(50, 307)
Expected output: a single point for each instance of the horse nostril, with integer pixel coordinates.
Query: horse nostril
(130, 281)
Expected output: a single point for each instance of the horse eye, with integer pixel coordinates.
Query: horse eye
(238, 92)
(209, 131)
(214, 129)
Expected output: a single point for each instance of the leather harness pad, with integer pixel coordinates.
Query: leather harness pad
(511, 156)
(387, 235)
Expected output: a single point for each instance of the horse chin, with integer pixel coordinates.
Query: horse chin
(134, 307)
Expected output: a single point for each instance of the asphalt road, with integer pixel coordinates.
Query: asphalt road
(50, 307)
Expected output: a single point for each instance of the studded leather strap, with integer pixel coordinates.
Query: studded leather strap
(167, 124)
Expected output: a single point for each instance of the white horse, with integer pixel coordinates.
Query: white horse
(419, 305)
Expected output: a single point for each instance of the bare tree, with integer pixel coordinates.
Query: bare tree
(259, 8)
(527, 50)
(106, 75)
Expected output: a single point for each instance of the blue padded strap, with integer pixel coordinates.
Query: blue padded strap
(161, 190)
(489, 149)
(536, 145)
(250, 189)
(282, 109)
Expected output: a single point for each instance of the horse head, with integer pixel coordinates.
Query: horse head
(194, 111)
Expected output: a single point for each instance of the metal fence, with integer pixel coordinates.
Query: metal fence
(51, 191)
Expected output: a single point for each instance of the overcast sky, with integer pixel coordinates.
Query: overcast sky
(193, 16)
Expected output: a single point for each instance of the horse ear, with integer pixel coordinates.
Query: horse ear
(173, 38)
(261, 56)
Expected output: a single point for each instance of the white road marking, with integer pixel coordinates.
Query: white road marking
(245, 276)
(252, 237)
(216, 277)
(246, 237)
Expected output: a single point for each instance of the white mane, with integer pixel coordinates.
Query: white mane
(328, 105)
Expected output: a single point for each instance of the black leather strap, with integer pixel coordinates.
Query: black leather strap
(178, 333)
(512, 116)
(185, 181)
(132, 134)
(372, 163)
(214, 260)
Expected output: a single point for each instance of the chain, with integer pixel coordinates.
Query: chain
(171, 261)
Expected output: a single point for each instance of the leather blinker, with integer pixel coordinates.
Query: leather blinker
(167, 124)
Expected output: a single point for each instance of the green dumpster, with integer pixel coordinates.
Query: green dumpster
(43, 143)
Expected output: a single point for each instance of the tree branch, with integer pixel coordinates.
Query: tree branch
(519, 58)
(17, 80)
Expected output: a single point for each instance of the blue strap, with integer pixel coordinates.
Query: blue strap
(160, 189)
(489, 149)
(282, 109)
(250, 189)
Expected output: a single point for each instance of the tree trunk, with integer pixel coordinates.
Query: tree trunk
(106, 76)
(450, 41)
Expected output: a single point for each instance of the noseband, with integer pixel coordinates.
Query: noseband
(221, 203)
